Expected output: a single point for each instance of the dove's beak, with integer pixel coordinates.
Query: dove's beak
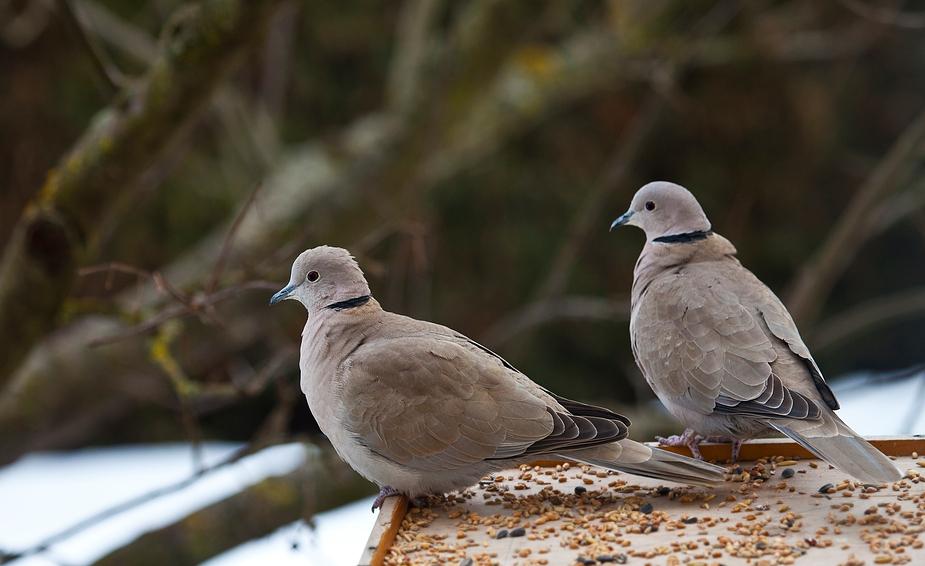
(622, 220)
(283, 294)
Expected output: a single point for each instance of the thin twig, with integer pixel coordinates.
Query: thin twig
(229, 292)
(618, 166)
(627, 150)
(274, 426)
(153, 322)
(113, 266)
(193, 430)
(212, 281)
(163, 284)
(193, 308)
(717, 18)
(269, 371)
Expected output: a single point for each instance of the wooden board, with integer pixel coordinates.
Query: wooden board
(747, 520)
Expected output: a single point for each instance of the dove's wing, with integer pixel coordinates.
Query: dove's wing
(437, 403)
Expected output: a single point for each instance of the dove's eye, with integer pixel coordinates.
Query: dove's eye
(312, 276)
(650, 206)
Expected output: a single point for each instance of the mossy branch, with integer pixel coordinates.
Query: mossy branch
(199, 47)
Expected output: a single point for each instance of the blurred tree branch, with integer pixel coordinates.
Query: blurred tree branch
(37, 269)
(886, 14)
(414, 41)
(108, 27)
(868, 317)
(20, 28)
(307, 179)
(315, 178)
(856, 225)
(549, 304)
(618, 167)
(477, 96)
(24, 401)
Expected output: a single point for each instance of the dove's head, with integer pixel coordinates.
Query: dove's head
(322, 277)
(664, 209)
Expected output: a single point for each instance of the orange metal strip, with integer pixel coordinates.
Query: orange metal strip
(767, 447)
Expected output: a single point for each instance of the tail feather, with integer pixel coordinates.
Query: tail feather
(638, 459)
(846, 451)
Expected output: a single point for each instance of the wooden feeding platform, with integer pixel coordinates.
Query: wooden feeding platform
(778, 506)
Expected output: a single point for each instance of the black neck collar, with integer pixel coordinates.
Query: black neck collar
(349, 303)
(685, 238)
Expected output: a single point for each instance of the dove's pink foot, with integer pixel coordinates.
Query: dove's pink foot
(384, 491)
(690, 438)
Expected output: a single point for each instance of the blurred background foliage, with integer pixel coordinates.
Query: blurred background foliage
(470, 154)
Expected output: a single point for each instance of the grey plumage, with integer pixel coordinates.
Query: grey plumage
(419, 408)
(720, 349)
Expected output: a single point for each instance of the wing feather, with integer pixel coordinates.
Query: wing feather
(709, 338)
(443, 402)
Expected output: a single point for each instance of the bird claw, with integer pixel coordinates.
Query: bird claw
(384, 491)
(690, 439)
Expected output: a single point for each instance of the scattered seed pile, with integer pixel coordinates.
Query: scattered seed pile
(771, 512)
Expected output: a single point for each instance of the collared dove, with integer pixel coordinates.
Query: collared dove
(418, 408)
(720, 349)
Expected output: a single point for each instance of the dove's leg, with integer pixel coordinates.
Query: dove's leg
(690, 438)
(736, 446)
(384, 491)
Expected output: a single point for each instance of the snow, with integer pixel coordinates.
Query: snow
(338, 540)
(44, 494)
(887, 407)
